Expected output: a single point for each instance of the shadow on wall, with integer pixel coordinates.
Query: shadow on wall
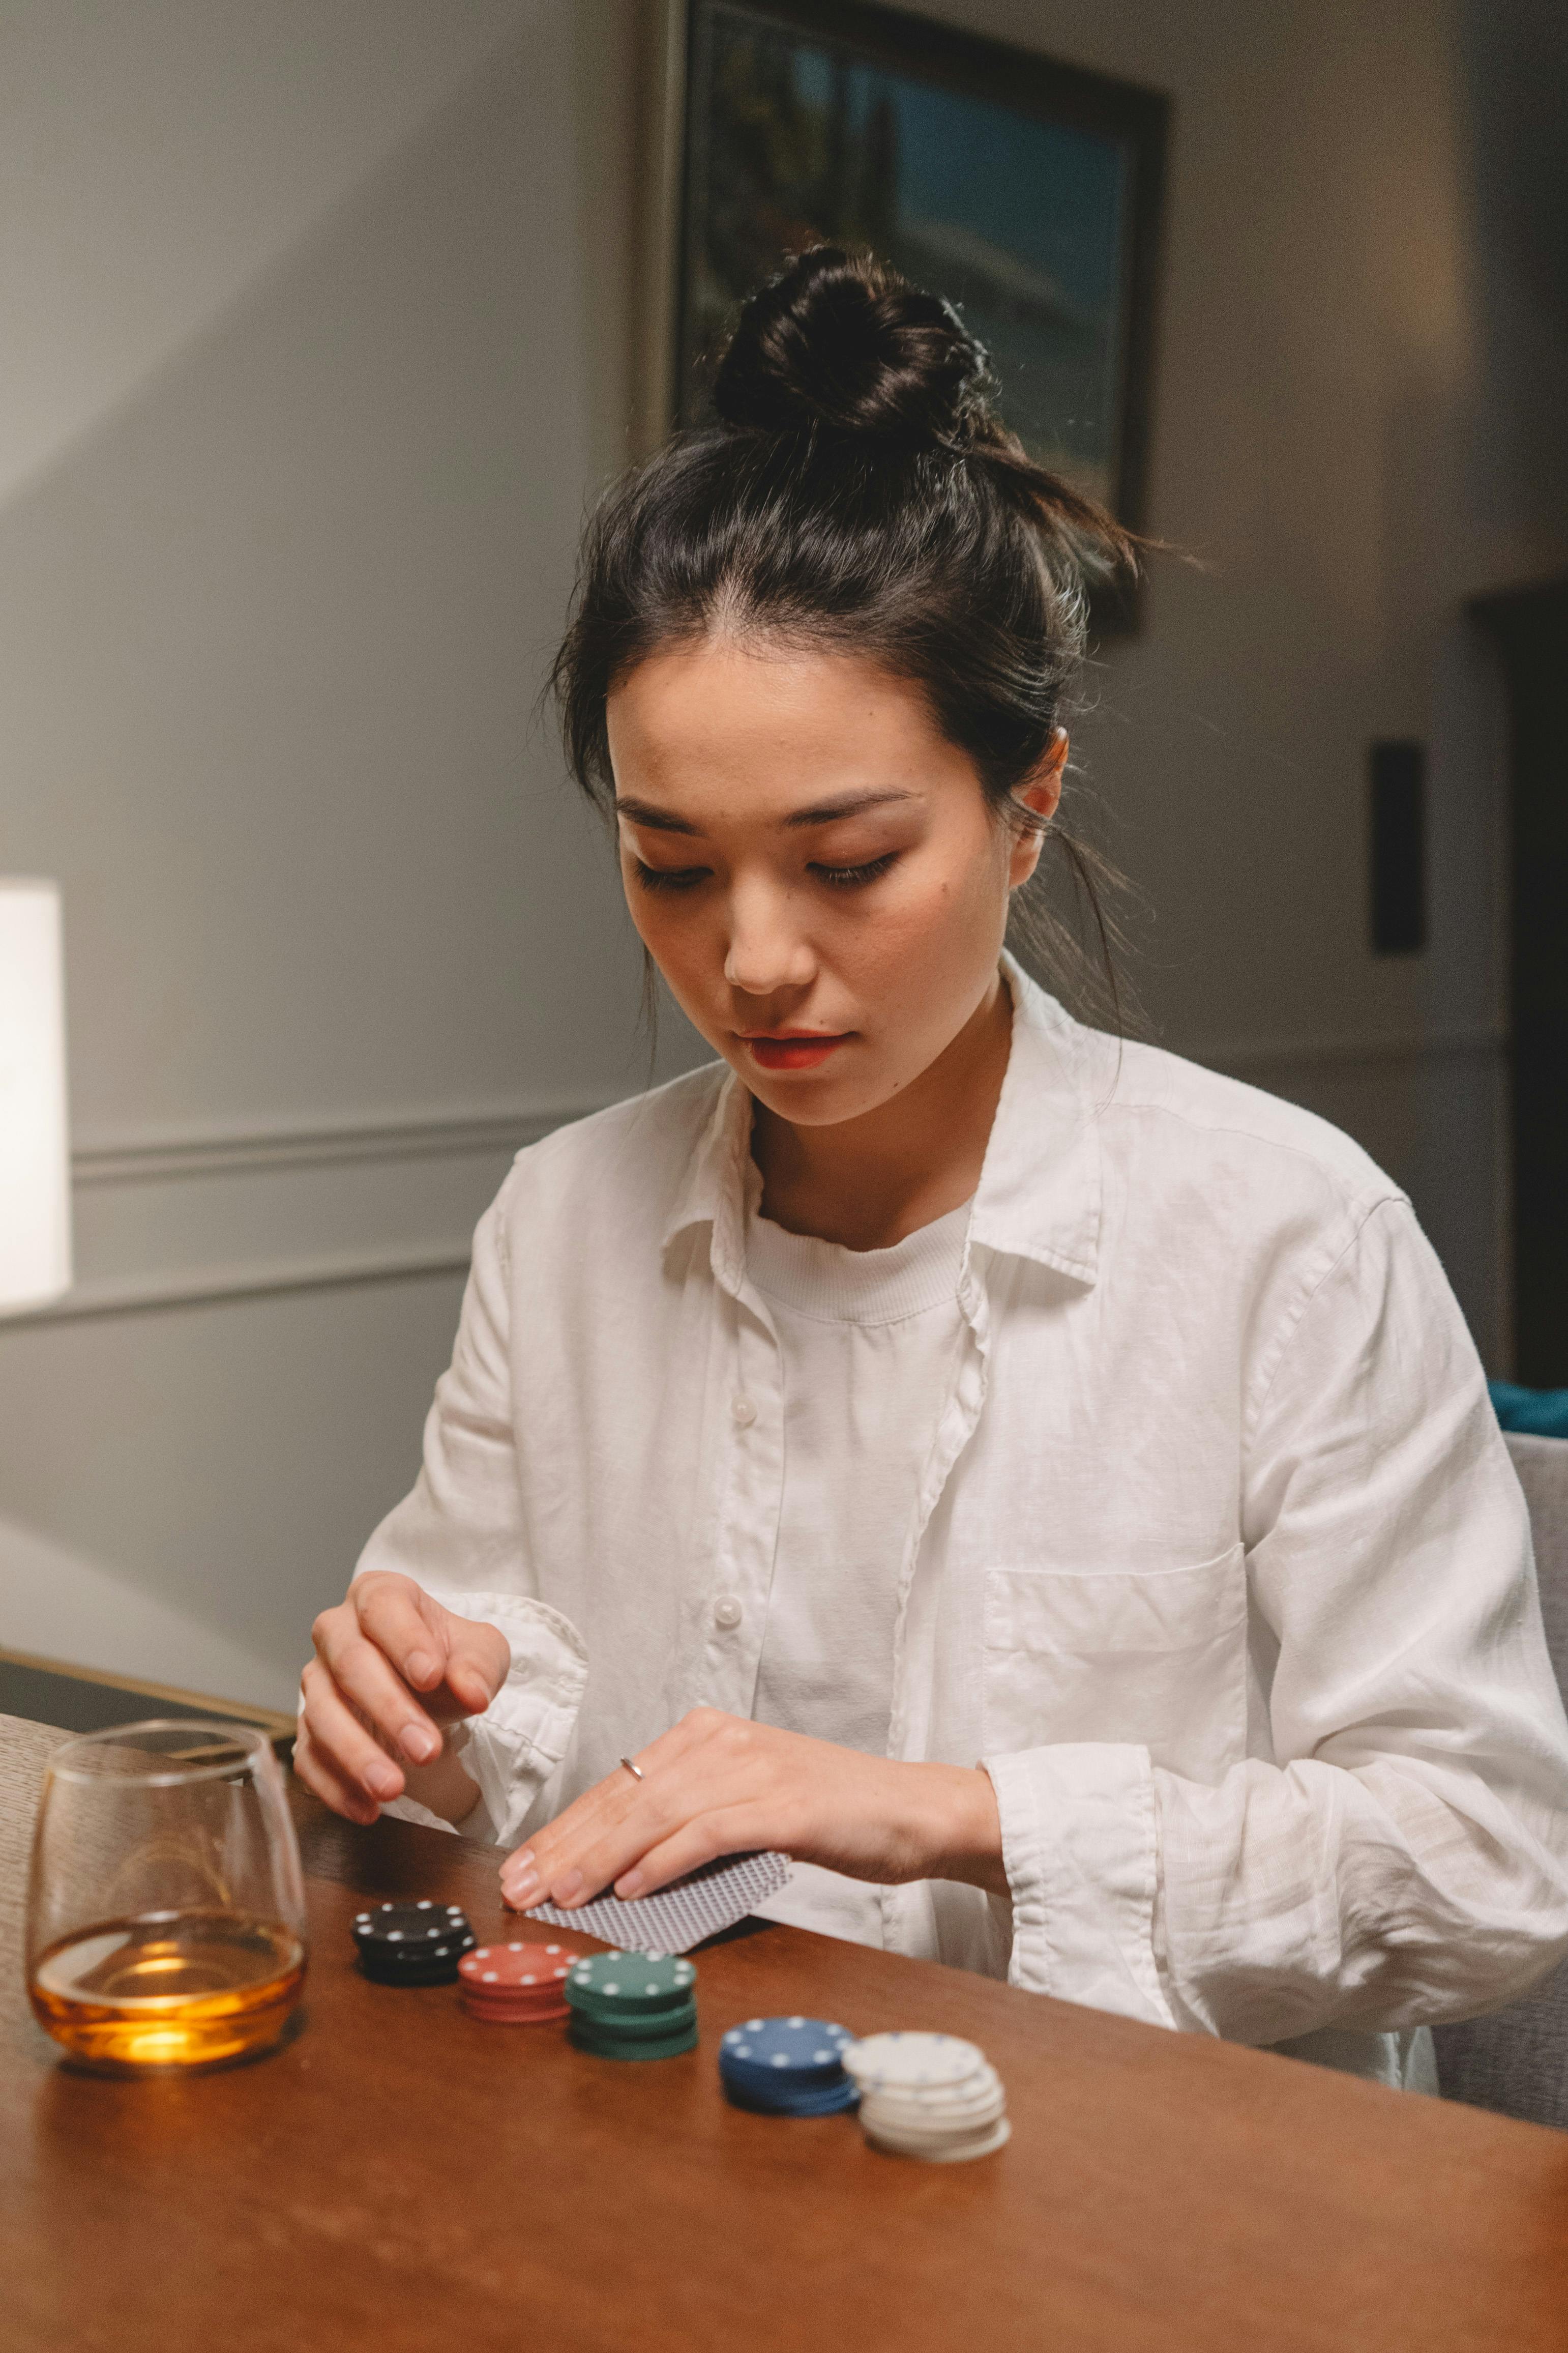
(270, 632)
(48, 1595)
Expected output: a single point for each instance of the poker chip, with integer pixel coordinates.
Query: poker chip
(617, 2046)
(515, 1985)
(802, 2104)
(411, 1944)
(932, 2096)
(957, 2150)
(517, 1966)
(632, 2005)
(638, 2030)
(913, 2061)
(787, 2067)
(627, 1985)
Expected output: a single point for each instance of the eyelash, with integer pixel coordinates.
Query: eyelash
(854, 878)
(838, 878)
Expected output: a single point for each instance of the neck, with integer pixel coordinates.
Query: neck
(865, 1183)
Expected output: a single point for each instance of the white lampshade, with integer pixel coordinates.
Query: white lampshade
(34, 1154)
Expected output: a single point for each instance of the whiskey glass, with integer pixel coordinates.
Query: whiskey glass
(166, 1903)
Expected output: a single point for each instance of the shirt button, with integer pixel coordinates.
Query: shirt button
(727, 1611)
(744, 1411)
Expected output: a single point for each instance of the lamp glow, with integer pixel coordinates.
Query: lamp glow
(35, 1156)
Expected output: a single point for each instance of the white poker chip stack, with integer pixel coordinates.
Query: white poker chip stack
(929, 2096)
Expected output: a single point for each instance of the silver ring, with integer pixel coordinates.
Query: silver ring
(635, 1770)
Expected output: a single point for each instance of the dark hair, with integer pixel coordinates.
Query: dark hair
(859, 492)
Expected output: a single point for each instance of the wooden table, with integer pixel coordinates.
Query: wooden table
(404, 2178)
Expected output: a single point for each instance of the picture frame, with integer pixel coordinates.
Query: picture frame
(1029, 192)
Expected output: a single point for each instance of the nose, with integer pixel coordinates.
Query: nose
(768, 951)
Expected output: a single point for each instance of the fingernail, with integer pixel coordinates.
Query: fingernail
(418, 1742)
(629, 1884)
(567, 1889)
(523, 1890)
(420, 1665)
(384, 1779)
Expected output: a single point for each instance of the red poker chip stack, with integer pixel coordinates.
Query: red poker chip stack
(515, 1985)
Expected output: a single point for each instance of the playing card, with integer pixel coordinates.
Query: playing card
(682, 1913)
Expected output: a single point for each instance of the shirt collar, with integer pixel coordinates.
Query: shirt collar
(721, 1182)
(1039, 1191)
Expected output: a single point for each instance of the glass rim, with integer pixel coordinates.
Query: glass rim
(161, 1774)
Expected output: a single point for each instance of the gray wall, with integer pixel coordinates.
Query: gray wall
(317, 339)
(318, 373)
(1364, 373)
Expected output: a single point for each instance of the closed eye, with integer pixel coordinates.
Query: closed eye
(670, 878)
(854, 878)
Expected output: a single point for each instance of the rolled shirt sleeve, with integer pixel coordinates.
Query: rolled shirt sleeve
(459, 1535)
(1402, 1857)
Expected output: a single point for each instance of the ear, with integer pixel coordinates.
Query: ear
(1040, 792)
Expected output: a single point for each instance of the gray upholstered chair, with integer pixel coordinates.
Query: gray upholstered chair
(1516, 2061)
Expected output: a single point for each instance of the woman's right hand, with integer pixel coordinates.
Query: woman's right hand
(394, 1671)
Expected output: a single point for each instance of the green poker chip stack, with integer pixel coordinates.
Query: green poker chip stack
(633, 2006)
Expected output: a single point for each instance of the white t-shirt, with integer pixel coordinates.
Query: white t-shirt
(869, 1344)
(869, 1341)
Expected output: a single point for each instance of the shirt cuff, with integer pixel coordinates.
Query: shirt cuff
(1079, 1846)
(514, 1747)
(409, 1809)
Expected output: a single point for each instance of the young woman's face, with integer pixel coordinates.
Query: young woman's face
(812, 865)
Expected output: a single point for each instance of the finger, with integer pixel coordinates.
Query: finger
(718, 1763)
(367, 1681)
(322, 1777)
(391, 1610)
(549, 1859)
(478, 1660)
(344, 1797)
(734, 1830)
(685, 1769)
(621, 1849)
(615, 1840)
(336, 1731)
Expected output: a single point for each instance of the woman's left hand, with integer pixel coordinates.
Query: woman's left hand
(718, 1785)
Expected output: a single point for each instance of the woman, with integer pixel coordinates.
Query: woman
(934, 1379)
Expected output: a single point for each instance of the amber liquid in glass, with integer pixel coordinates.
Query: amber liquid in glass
(172, 1989)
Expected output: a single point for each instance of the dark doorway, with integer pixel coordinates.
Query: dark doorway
(1530, 630)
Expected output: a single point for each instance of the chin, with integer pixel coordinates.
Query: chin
(812, 1098)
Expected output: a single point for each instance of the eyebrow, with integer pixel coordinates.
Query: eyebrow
(661, 820)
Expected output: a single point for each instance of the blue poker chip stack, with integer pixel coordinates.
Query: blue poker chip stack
(787, 2067)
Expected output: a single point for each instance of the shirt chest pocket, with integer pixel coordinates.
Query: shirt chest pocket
(1157, 1657)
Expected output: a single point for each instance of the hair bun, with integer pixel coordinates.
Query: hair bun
(842, 342)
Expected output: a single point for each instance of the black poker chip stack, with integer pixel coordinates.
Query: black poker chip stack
(411, 1944)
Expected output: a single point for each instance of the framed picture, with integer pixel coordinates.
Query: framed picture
(1027, 193)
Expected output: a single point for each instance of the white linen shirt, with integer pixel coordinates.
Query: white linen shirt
(1217, 1559)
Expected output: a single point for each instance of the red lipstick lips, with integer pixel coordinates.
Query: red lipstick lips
(794, 1049)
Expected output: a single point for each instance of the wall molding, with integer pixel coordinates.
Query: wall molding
(350, 1153)
(224, 1285)
(217, 1217)
(136, 1160)
(139, 1160)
